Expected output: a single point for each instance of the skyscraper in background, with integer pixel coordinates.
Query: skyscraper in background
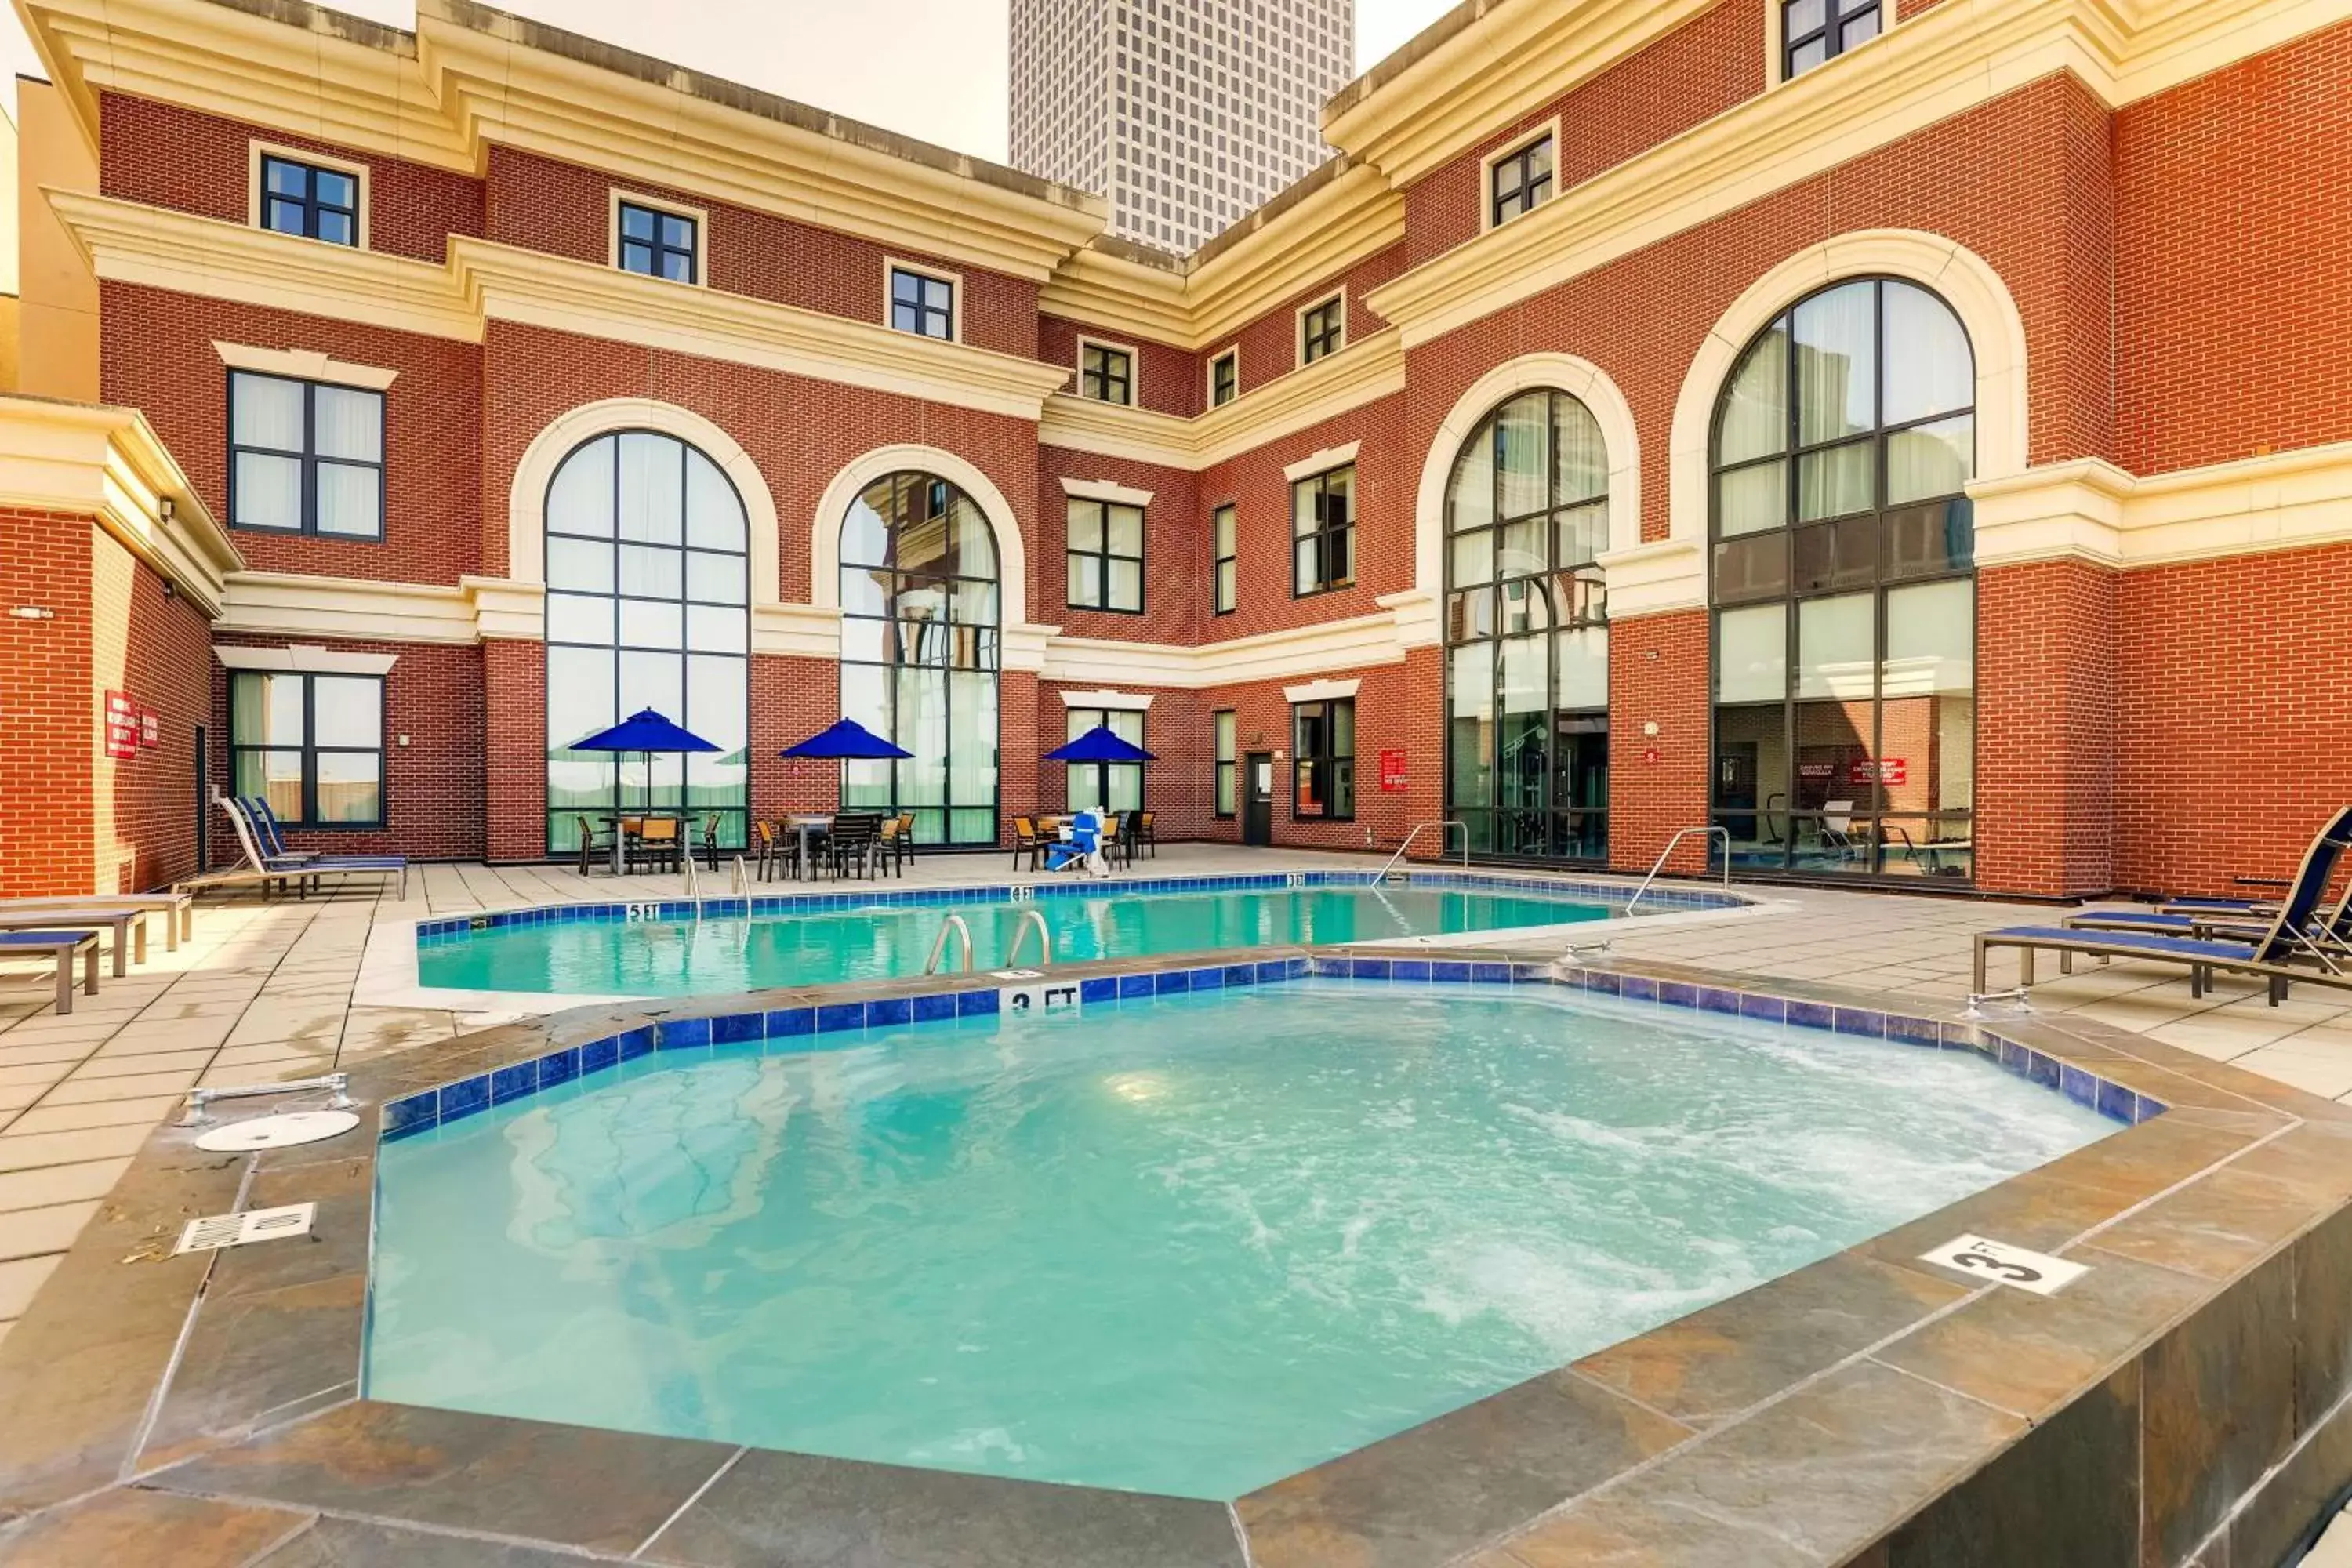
(1185, 113)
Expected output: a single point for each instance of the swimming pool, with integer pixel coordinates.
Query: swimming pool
(1183, 1245)
(822, 940)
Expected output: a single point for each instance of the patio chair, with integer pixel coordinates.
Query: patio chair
(853, 841)
(2285, 952)
(890, 846)
(1837, 835)
(129, 926)
(1026, 841)
(766, 850)
(178, 909)
(711, 840)
(258, 871)
(656, 842)
(270, 837)
(593, 844)
(1143, 836)
(61, 945)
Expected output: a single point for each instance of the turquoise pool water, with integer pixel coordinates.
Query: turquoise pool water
(684, 958)
(1186, 1246)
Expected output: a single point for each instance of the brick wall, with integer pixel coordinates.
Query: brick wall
(542, 204)
(792, 699)
(1168, 380)
(156, 648)
(513, 773)
(1269, 343)
(433, 787)
(1179, 788)
(48, 723)
(166, 156)
(158, 356)
(1386, 717)
(1658, 784)
(2046, 717)
(1703, 68)
(1175, 551)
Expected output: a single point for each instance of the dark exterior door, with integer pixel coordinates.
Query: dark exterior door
(204, 822)
(1257, 798)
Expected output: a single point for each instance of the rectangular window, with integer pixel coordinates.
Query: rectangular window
(305, 457)
(1106, 375)
(1105, 548)
(1517, 182)
(658, 244)
(1322, 328)
(1225, 568)
(1106, 786)
(922, 304)
(1323, 531)
(1225, 378)
(1323, 777)
(309, 200)
(1226, 759)
(311, 745)
(1813, 31)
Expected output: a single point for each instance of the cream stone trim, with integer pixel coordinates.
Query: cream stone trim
(1549, 130)
(1571, 373)
(510, 284)
(527, 494)
(1077, 379)
(1209, 376)
(159, 248)
(833, 512)
(1655, 579)
(797, 631)
(954, 280)
(1299, 327)
(512, 611)
(2092, 510)
(303, 364)
(1128, 701)
(1106, 489)
(258, 150)
(306, 660)
(1322, 462)
(616, 194)
(107, 463)
(1325, 690)
(1114, 430)
(279, 604)
(1962, 279)
(1356, 643)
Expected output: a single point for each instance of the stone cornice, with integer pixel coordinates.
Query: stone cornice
(2092, 510)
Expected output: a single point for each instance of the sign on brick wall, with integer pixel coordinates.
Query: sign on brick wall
(150, 728)
(1392, 771)
(121, 725)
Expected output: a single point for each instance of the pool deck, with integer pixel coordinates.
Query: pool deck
(264, 992)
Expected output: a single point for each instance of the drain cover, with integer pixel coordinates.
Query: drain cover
(277, 1131)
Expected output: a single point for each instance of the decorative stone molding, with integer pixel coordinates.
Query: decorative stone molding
(1106, 489)
(303, 364)
(833, 511)
(1315, 463)
(1321, 690)
(1131, 700)
(282, 604)
(2092, 510)
(308, 659)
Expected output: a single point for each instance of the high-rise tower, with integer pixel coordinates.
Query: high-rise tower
(1186, 114)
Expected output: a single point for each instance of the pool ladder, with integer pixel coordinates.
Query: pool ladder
(1440, 827)
(1667, 854)
(1030, 921)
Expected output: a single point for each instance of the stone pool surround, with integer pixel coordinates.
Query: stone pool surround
(2184, 1403)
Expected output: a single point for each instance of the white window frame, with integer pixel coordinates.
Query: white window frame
(257, 150)
(1299, 327)
(954, 280)
(615, 195)
(1134, 370)
(1209, 378)
(1512, 149)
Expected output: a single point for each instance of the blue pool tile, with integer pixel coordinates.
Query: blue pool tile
(2041, 1069)
(1168, 981)
(1491, 973)
(2115, 1101)
(1812, 1014)
(465, 1098)
(1860, 1021)
(1770, 1009)
(1207, 979)
(1134, 985)
(1530, 973)
(514, 1082)
(1241, 974)
(975, 1004)
(682, 1034)
(1601, 980)
(1676, 993)
(2147, 1110)
(598, 1055)
(785, 1023)
(413, 1114)
(835, 1016)
(559, 1067)
(737, 1027)
(1102, 988)
(1409, 969)
(1913, 1031)
(936, 1006)
(2078, 1086)
(889, 1013)
(1273, 969)
(1448, 970)
(1637, 988)
(2013, 1056)
(1370, 968)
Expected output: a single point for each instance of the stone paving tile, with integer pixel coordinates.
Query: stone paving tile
(91, 1090)
(104, 1065)
(35, 1233)
(24, 1151)
(60, 1184)
(144, 1113)
(18, 1281)
(133, 1526)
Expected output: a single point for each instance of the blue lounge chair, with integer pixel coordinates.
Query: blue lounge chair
(2329, 936)
(2286, 951)
(261, 870)
(62, 945)
(271, 840)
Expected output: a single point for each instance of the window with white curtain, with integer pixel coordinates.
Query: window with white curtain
(305, 457)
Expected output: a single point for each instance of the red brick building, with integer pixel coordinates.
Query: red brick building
(1922, 448)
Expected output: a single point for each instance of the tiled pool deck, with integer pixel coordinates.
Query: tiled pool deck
(265, 991)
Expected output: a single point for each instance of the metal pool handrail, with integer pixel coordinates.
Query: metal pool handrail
(939, 948)
(1441, 827)
(1030, 918)
(1667, 854)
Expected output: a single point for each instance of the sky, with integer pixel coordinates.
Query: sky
(934, 69)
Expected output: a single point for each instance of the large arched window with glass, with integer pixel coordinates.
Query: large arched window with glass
(1844, 589)
(647, 606)
(918, 655)
(1527, 514)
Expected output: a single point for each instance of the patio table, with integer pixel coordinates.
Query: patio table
(804, 827)
(613, 819)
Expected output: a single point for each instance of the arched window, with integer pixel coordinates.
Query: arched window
(1844, 589)
(647, 606)
(918, 654)
(1527, 514)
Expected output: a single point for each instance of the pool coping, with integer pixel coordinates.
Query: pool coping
(1857, 1410)
(389, 968)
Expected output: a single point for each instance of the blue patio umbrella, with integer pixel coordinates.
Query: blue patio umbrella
(1099, 744)
(848, 741)
(647, 731)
